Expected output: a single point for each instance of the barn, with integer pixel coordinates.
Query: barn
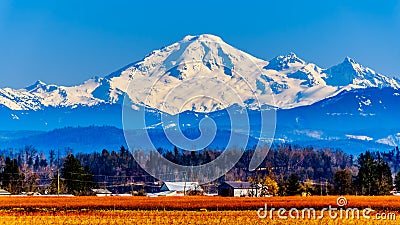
(181, 187)
(238, 189)
(101, 192)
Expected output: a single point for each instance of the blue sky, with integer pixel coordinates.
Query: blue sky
(67, 42)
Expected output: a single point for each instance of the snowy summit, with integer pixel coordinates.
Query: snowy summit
(198, 61)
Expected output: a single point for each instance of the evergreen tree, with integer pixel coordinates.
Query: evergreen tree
(374, 176)
(30, 153)
(366, 177)
(43, 163)
(343, 182)
(52, 157)
(293, 185)
(53, 187)
(177, 156)
(77, 180)
(397, 181)
(396, 160)
(384, 181)
(12, 179)
(36, 164)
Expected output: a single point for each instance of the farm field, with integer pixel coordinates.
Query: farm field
(191, 203)
(179, 210)
(168, 217)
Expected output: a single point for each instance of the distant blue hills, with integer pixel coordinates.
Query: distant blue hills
(355, 121)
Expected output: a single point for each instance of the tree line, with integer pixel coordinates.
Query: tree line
(287, 170)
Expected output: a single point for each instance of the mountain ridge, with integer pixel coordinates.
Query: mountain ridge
(292, 81)
(352, 120)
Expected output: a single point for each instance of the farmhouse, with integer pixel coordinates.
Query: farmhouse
(238, 189)
(101, 192)
(181, 188)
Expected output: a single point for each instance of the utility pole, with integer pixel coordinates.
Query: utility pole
(326, 187)
(132, 188)
(184, 187)
(58, 172)
(58, 182)
(320, 185)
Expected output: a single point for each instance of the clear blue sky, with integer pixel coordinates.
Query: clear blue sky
(69, 41)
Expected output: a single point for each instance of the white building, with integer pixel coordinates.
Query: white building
(181, 187)
(238, 189)
(101, 192)
(4, 192)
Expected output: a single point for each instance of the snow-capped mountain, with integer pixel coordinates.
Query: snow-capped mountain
(41, 95)
(196, 66)
(195, 59)
(204, 65)
(346, 106)
(391, 140)
(351, 73)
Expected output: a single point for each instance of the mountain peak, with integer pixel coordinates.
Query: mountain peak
(291, 55)
(39, 82)
(202, 37)
(349, 60)
(198, 61)
(293, 58)
(283, 62)
(351, 65)
(36, 85)
(349, 72)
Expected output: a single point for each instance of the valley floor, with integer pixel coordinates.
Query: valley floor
(188, 210)
(170, 217)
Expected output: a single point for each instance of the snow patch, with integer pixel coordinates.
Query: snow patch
(359, 137)
(391, 140)
(310, 133)
(14, 117)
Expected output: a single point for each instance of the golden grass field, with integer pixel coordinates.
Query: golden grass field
(179, 210)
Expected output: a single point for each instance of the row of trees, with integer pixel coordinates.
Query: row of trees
(72, 178)
(372, 176)
(287, 170)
